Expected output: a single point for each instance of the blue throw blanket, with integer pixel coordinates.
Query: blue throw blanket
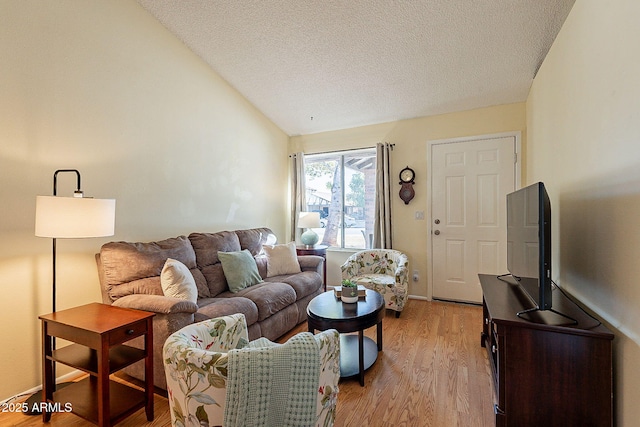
(271, 384)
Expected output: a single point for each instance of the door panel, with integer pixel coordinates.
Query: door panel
(455, 201)
(455, 259)
(470, 181)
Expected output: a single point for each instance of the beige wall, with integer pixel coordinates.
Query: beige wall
(102, 87)
(583, 121)
(411, 138)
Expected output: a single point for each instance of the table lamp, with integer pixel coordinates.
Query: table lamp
(309, 220)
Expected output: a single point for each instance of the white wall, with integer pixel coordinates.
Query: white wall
(102, 87)
(583, 122)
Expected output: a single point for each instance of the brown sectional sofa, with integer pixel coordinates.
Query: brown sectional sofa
(130, 277)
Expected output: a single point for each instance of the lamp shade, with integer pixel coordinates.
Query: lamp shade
(309, 220)
(74, 217)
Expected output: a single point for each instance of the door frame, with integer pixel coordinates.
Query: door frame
(429, 180)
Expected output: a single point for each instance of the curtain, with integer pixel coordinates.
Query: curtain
(298, 193)
(382, 234)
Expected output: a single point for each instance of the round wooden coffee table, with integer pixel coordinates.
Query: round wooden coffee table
(357, 353)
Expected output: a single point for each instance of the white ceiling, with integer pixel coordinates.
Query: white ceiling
(312, 66)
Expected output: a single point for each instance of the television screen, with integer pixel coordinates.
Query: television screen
(529, 242)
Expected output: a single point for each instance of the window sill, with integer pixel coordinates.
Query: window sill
(343, 250)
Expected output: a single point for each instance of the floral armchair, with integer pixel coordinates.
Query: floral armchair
(383, 270)
(196, 360)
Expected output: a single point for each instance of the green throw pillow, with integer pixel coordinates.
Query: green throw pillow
(240, 269)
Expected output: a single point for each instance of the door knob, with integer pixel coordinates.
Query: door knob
(437, 232)
(437, 221)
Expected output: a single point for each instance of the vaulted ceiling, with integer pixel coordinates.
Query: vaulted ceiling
(312, 66)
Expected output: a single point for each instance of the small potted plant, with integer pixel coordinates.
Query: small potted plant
(349, 291)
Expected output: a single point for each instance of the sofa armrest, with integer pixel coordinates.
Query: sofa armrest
(156, 303)
(311, 263)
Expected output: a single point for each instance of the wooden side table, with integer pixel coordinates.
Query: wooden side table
(98, 332)
(319, 250)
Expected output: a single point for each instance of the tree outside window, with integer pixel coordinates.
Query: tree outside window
(341, 187)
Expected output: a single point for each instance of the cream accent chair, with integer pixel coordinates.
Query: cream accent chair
(383, 270)
(195, 361)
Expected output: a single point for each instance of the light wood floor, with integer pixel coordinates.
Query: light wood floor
(431, 372)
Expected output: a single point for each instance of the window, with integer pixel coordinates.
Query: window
(341, 187)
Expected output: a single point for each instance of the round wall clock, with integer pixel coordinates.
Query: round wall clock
(407, 177)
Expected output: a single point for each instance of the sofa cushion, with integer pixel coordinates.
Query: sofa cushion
(261, 261)
(177, 281)
(216, 282)
(269, 298)
(210, 308)
(305, 283)
(281, 259)
(240, 269)
(134, 268)
(254, 238)
(280, 323)
(206, 247)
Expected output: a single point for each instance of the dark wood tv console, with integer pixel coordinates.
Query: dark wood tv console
(545, 373)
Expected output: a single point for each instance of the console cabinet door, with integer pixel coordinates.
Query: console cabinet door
(557, 379)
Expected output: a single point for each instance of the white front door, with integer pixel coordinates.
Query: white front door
(469, 183)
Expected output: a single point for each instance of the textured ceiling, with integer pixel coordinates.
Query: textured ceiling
(313, 66)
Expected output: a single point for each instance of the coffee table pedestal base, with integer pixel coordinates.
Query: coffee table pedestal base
(357, 352)
(349, 356)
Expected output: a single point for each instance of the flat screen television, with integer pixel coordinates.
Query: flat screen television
(529, 243)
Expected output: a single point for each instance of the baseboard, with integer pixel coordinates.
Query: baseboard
(63, 378)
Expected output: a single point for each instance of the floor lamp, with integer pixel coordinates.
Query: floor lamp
(71, 218)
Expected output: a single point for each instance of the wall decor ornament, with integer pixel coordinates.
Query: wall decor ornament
(407, 179)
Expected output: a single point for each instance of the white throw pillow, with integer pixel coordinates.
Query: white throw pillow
(281, 259)
(177, 281)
